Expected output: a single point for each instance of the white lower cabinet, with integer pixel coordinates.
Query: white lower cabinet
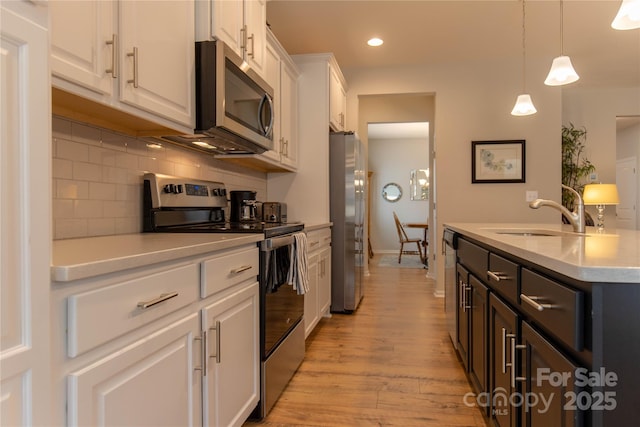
(171, 344)
(154, 381)
(232, 380)
(317, 301)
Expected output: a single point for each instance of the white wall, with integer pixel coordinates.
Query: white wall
(391, 160)
(596, 109)
(473, 101)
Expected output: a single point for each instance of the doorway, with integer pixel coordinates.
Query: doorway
(401, 108)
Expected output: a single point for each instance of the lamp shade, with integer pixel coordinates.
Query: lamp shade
(600, 194)
(561, 73)
(628, 17)
(524, 106)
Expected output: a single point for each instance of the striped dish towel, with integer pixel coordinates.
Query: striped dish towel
(298, 276)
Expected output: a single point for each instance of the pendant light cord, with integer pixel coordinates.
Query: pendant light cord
(524, 51)
(561, 28)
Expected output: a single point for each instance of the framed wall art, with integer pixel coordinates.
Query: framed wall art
(497, 161)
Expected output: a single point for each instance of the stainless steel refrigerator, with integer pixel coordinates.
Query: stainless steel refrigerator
(347, 189)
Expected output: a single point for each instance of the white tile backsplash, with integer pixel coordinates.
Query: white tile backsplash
(97, 178)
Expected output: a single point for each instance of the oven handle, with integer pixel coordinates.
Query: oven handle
(275, 242)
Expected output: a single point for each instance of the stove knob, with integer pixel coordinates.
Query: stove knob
(215, 192)
(169, 188)
(223, 191)
(178, 189)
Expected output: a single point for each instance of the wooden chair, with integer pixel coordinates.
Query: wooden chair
(403, 238)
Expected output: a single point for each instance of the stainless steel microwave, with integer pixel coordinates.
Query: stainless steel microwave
(234, 105)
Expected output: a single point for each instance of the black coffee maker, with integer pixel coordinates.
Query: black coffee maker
(244, 207)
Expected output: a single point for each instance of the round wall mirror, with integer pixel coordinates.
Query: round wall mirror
(391, 192)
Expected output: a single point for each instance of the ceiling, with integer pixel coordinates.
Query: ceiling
(426, 32)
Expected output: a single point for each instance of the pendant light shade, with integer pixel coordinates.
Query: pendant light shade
(628, 17)
(524, 106)
(561, 72)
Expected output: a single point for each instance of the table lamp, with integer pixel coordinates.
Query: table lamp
(600, 195)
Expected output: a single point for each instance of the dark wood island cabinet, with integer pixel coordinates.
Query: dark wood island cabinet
(542, 348)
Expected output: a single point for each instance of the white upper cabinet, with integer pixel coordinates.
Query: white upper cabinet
(135, 56)
(338, 100)
(83, 50)
(288, 115)
(240, 23)
(25, 215)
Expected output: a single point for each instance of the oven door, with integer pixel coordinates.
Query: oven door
(281, 306)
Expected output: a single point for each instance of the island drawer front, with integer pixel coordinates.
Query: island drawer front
(229, 269)
(555, 307)
(97, 316)
(504, 277)
(473, 257)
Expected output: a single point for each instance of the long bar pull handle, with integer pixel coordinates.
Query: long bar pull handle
(114, 56)
(243, 37)
(134, 54)
(532, 301)
(161, 298)
(217, 329)
(514, 378)
(204, 344)
(252, 53)
(497, 275)
(241, 269)
(504, 351)
(467, 300)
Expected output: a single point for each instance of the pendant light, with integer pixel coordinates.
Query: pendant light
(628, 17)
(524, 105)
(562, 71)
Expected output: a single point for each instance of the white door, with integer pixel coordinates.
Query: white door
(627, 182)
(272, 76)
(232, 382)
(289, 115)
(157, 40)
(25, 217)
(153, 382)
(84, 43)
(227, 23)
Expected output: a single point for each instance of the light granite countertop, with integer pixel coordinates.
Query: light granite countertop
(612, 256)
(75, 259)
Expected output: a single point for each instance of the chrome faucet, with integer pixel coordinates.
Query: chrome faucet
(576, 218)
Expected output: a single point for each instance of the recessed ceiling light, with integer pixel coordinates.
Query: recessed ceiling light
(375, 42)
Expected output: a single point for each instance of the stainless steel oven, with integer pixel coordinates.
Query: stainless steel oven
(179, 205)
(282, 341)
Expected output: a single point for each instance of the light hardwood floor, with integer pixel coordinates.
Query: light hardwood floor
(389, 363)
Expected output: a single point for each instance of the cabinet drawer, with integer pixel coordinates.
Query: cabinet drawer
(229, 269)
(318, 239)
(555, 307)
(473, 257)
(504, 277)
(99, 315)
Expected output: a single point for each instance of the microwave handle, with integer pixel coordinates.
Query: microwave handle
(266, 99)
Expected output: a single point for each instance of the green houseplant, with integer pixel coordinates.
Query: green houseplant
(575, 166)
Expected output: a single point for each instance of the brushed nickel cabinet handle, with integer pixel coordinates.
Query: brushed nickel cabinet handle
(533, 302)
(241, 269)
(497, 275)
(114, 56)
(504, 351)
(252, 53)
(203, 353)
(217, 329)
(161, 298)
(515, 347)
(134, 54)
(243, 38)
